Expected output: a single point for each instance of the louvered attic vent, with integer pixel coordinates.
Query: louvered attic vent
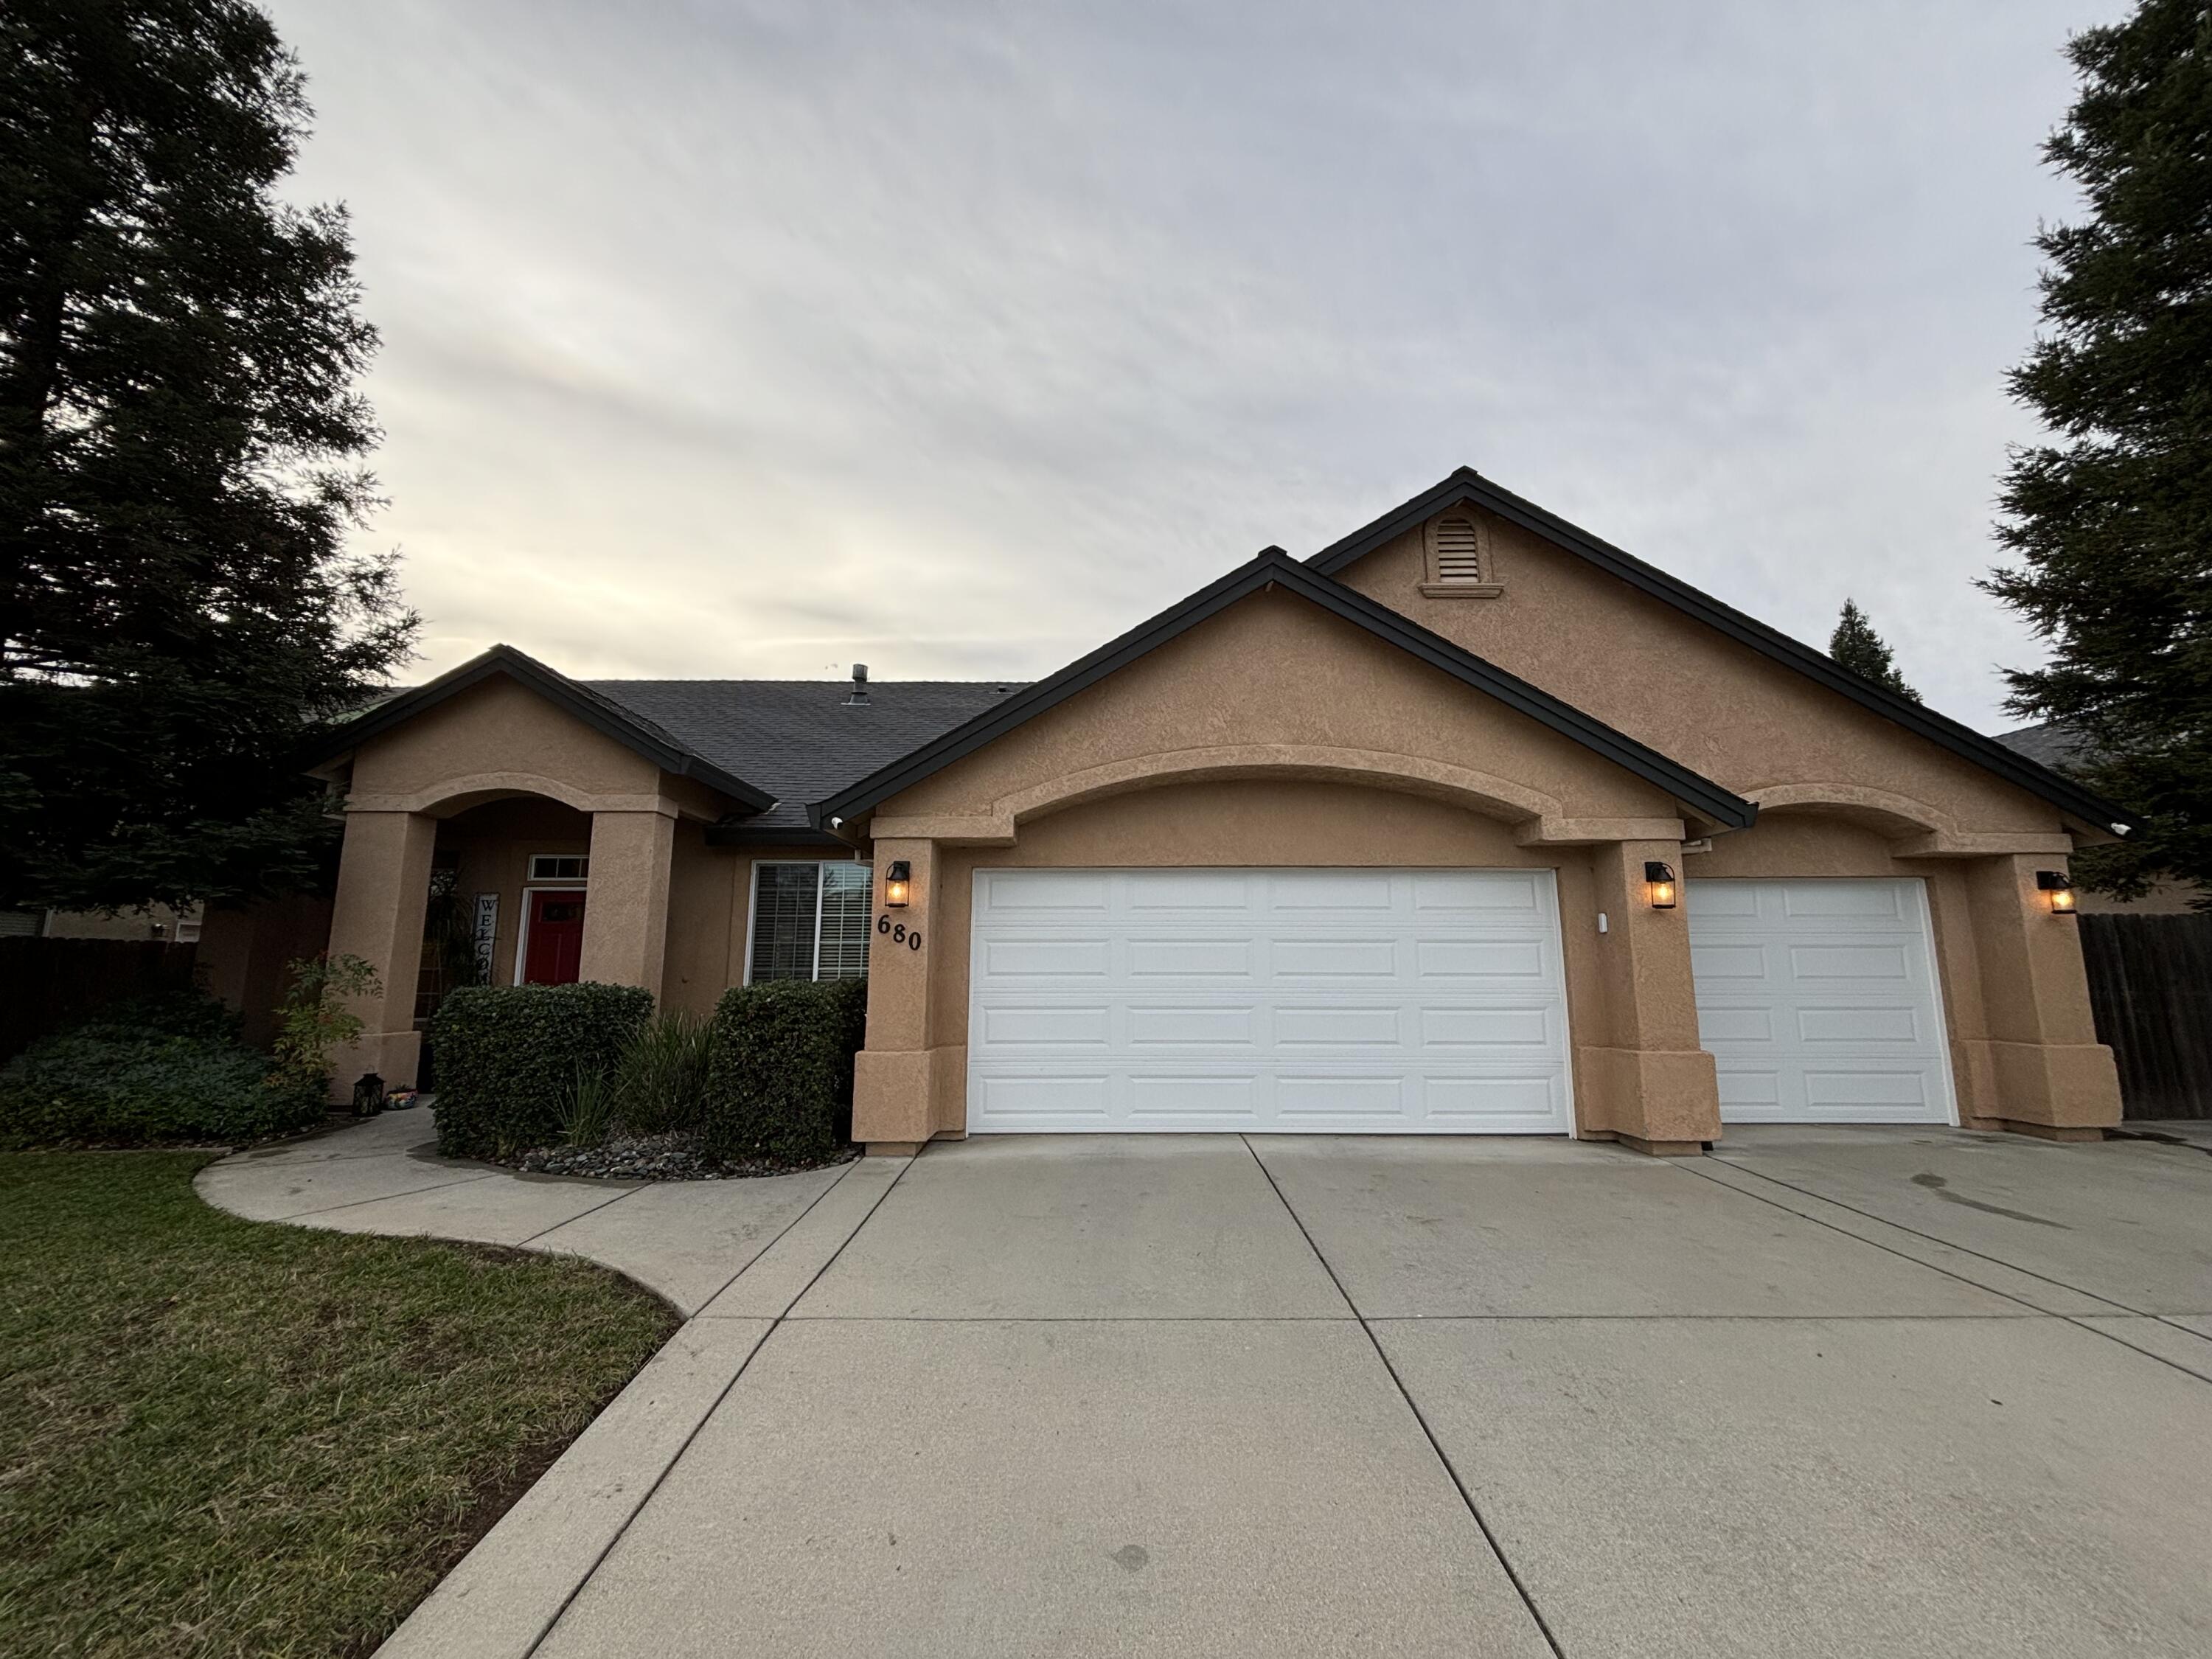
(1459, 556)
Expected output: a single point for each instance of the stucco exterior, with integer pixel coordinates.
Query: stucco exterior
(1281, 727)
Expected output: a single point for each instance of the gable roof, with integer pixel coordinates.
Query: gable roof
(1466, 486)
(1274, 567)
(594, 708)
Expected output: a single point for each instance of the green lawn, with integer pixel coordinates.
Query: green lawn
(222, 1438)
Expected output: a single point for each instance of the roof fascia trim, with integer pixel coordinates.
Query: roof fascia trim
(601, 714)
(1271, 568)
(1469, 486)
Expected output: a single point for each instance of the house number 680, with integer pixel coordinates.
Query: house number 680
(897, 930)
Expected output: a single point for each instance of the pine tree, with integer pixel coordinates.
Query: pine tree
(180, 458)
(1859, 648)
(2112, 518)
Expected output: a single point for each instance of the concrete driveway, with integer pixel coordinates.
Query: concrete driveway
(1842, 1391)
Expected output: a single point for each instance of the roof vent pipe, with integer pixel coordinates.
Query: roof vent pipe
(859, 697)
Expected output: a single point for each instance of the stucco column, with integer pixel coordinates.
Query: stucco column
(1647, 1082)
(903, 1080)
(626, 899)
(2049, 1075)
(383, 889)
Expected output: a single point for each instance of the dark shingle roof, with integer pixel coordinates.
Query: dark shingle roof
(801, 740)
(2053, 745)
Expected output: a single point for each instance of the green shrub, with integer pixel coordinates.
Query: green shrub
(661, 1083)
(166, 1013)
(126, 1084)
(508, 1057)
(780, 1082)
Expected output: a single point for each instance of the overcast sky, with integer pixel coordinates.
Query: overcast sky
(724, 339)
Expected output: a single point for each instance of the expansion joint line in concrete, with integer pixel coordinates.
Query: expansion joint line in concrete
(1473, 1510)
(1688, 1166)
(706, 1417)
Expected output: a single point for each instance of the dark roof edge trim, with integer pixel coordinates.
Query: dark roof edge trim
(764, 834)
(1467, 485)
(1275, 566)
(601, 714)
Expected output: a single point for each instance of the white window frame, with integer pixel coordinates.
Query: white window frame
(582, 876)
(752, 905)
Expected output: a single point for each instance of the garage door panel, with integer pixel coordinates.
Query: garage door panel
(1017, 1025)
(1063, 1099)
(1837, 900)
(1346, 1001)
(1862, 1027)
(1884, 961)
(1509, 1105)
(1185, 1026)
(1471, 961)
(1337, 891)
(1173, 1100)
(1045, 893)
(1817, 1000)
(1494, 892)
(1463, 1027)
(1193, 958)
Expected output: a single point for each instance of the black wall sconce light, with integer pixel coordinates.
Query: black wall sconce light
(898, 884)
(1659, 885)
(2058, 887)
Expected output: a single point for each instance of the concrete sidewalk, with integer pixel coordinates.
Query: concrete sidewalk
(1852, 1392)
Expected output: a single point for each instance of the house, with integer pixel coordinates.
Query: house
(1470, 822)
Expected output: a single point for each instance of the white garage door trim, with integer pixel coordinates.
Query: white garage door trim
(1819, 1001)
(1324, 1001)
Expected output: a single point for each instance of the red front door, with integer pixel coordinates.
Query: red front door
(556, 937)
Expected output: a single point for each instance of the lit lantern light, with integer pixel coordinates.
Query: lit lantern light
(2059, 887)
(898, 884)
(1659, 883)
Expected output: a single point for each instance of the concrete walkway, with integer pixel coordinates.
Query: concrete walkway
(1847, 1392)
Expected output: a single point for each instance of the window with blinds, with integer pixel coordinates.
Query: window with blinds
(810, 920)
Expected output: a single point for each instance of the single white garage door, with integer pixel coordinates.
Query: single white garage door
(1323, 1002)
(1817, 1000)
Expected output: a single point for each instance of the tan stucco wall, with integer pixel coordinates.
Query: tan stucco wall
(1277, 734)
(499, 730)
(1717, 706)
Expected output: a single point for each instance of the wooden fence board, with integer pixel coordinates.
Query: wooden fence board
(48, 983)
(2150, 987)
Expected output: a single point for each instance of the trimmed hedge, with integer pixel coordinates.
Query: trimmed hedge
(508, 1056)
(780, 1084)
(117, 1084)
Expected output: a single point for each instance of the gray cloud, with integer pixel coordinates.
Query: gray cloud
(750, 339)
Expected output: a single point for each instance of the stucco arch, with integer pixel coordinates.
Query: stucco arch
(1884, 811)
(1913, 827)
(452, 795)
(1540, 817)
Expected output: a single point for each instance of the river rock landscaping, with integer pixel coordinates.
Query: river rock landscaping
(677, 1155)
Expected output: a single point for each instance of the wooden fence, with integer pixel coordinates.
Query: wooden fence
(2150, 987)
(48, 983)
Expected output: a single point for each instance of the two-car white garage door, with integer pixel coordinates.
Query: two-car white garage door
(1339, 1001)
(1415, 1002)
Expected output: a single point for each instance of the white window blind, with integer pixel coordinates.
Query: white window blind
(810, 920)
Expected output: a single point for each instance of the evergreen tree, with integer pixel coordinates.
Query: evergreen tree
(180, 460)
(1859, 648)
(2112, 518)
